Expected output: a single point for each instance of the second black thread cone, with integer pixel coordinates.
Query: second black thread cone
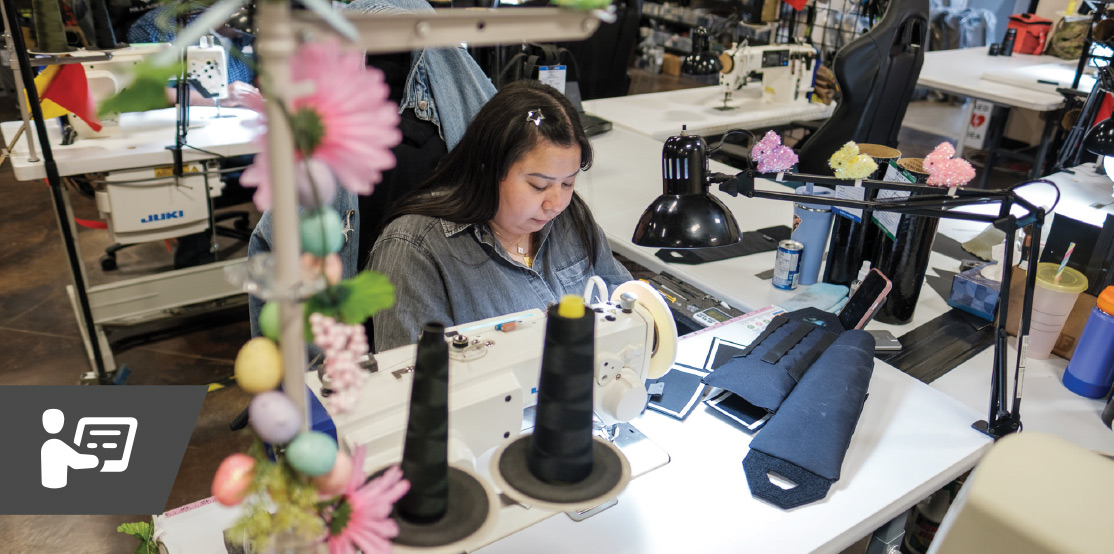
(561, 446)
(425, 457)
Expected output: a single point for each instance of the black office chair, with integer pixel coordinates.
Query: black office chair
(877, 73)
(604, 57)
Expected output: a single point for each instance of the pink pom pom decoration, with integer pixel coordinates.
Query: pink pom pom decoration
(771, 156)
(945, 171)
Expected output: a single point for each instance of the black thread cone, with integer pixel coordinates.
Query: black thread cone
(425, 456)
(105, 37)
(50, 35)
(561, 446)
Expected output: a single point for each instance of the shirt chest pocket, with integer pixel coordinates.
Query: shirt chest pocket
(574, 273)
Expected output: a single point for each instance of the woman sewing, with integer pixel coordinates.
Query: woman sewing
(497, 228)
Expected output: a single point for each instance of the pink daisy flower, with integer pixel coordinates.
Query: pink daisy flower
(346, 123)
(362, 522)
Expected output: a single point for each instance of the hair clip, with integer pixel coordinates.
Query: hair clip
(535, 116)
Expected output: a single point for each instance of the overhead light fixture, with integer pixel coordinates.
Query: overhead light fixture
(686, 215)
(702, 62)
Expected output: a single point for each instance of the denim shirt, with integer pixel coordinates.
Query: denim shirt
(457, 273)
(444, 86)
(449, 103)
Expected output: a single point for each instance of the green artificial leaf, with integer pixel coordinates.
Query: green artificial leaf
(584, 5)
(146, 92)
(353, 300)
(368, 292)
(140, 530)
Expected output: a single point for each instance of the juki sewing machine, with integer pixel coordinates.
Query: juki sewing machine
(494, 367)
(788, 71)
(151, 204)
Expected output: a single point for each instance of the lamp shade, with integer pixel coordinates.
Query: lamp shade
(1100, 139)
(701, 61)
(686, 221)
(685, 215)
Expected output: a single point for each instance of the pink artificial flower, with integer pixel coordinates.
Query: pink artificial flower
(369, 528)
(347, 120)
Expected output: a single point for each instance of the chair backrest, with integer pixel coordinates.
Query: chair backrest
(876, 74)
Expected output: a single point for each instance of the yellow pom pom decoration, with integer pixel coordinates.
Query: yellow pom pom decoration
(258, 366)
(848, 163)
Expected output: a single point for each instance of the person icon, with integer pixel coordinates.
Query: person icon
(57, 457)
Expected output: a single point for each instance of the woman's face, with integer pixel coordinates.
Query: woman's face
(537, 188)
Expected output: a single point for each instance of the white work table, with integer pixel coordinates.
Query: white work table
(142, 142)
(965, 71)
(626, 177)
(661, 114)
(910, 441)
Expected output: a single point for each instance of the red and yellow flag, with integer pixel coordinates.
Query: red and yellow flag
(64, 89)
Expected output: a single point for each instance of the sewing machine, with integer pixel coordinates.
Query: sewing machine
(494, 367)
(788, 71)
(206, 65)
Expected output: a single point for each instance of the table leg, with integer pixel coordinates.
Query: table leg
(1050, 121)
(961, 142)
(993, 141)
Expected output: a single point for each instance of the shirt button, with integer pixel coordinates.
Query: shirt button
(422, 105)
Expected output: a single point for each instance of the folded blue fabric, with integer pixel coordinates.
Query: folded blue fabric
(807, 439)
(768, 369)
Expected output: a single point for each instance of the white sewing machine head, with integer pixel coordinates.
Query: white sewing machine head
(788, 70)
(494, 365)
(206, 63)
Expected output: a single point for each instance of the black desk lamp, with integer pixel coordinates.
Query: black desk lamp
(685, 215)
(702, 61)
(668, 223)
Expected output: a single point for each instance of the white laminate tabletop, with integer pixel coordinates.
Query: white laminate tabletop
(909, 442)
(661, 114)
(141, 142)
(964, 72)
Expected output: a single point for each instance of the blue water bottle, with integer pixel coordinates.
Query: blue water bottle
(811, 223)
(1090, 372)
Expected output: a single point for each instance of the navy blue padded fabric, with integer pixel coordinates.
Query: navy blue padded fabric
(767, 384)
(813, 427)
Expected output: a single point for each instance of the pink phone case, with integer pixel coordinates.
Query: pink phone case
(877, 301)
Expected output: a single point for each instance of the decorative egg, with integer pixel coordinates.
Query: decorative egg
(269, 320)
(312, 453)
(322, 232)
(233, 479)
(336, 480)
(258, 366)
(274, 417)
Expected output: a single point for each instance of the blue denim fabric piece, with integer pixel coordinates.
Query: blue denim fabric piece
(807, 439)
(458, 273)
(765, 384)
(445, 85)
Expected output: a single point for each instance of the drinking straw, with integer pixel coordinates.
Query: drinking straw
(1064, 262)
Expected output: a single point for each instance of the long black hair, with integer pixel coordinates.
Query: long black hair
(465, 186)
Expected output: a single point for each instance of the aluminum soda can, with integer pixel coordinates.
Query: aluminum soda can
(787, 265)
